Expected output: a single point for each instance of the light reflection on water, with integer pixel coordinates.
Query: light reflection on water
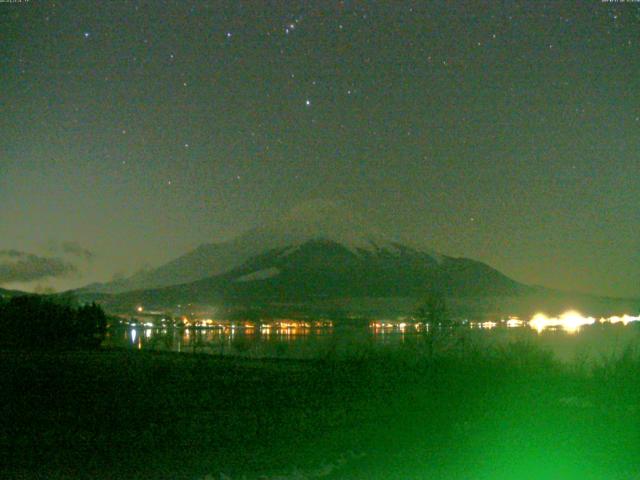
(585, 340)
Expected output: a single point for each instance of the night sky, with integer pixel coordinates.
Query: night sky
(508, 132)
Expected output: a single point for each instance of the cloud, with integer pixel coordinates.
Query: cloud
(17, 266)
(76, 250)
(69, 249)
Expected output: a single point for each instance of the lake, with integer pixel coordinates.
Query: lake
(304, 340)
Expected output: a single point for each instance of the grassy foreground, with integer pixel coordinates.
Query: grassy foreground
(501, 414)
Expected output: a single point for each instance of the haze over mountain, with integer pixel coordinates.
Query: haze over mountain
(318, 251)
(321, 269)
(313, 220)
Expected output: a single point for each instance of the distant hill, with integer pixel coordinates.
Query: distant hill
(4, 293)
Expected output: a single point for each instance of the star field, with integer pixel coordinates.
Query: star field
(506, 132)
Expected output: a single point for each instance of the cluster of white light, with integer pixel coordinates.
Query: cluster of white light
(514, 322)
(624, 319)
(571, 321)
(488, 325)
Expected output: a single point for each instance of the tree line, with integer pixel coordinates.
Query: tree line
(46, 322)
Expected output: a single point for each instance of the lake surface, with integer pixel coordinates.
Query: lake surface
(593, 342)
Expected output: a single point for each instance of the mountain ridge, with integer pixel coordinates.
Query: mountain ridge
(325, 269)
(318, 220)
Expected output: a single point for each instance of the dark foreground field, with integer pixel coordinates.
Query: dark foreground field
(509, 414)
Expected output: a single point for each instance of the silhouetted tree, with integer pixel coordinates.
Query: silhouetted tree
(91, 325)
(38, 322)
(433, 309)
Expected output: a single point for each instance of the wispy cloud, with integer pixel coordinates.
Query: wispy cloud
(17, 266)
(69, 250)
(76, 250)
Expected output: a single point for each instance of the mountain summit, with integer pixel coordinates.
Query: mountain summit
(318, 252)
(315, 220)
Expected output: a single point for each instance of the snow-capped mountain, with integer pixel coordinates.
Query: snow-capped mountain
(318, 256)
(319, 220)
(320, 269)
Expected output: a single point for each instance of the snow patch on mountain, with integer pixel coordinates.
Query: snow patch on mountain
(259, 275)
(315, 220)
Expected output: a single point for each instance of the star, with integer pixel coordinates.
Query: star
(87, 34)
(307, 102)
